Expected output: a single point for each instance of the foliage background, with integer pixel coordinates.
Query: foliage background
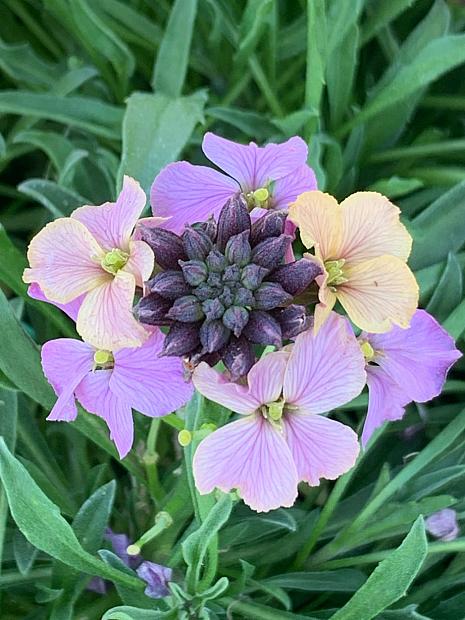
(92, 90)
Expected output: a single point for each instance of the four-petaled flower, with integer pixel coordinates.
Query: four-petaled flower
(92, 253)
(281, 439)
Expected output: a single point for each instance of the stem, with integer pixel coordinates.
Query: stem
(150, 460)
(173, 421)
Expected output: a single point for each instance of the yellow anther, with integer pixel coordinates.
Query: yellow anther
(367, 350)
(184, 437)
(261, 194)
(103, 357)
(114, 260)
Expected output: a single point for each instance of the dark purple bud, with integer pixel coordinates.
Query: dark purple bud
(215, 279)
(252, 276)
(213, 309)
(169, 284)
(296, 277)
(208, 227)
(269, 225)
(270, 252)
(233, 219)
(232, 273)
(216, 261)
(238, 249)
(197, 243)
(152, 310)
(235, 318)
(186, 309)
(271, 295)
(156, 577)
(213, 336)
(244, 297)
(203, 292)
(181, 339)
(262, 328)
(194, 271)
(293, 320)
(227, 297)
(167, 247)
(238, 357)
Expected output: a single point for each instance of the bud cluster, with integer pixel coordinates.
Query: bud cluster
(224, 287)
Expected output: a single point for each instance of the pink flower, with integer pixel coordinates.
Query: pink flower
(111, 384)
(405, 365)
(281, 440)
(270, 177)
(93, 254)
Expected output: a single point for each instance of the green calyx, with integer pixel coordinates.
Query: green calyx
(258, 198)
(103, 359)
(114, 260)
(335, 272)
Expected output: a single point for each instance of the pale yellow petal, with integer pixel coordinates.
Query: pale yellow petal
(380, 293)
(371, 228)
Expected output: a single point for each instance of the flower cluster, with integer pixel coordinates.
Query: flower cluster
(210, 285)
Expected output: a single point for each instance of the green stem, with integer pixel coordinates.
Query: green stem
(264, 85)
(173, 421)
(150, 460)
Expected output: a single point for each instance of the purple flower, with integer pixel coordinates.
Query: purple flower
(111, 384)
(443, 524)
(269, 177)
(120, 544)
(71, 308)
(405, 365)
(157, 577)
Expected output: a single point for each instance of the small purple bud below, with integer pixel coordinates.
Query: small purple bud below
(182, 339)
(271, 295)
(238, 249)
(194, 271)
(213, 336)
(293, 320)
(186, 309)
(236, 318)
(152, 310)
(443, 524)
(252, 276)
(216, 261)
(270, 252)
(296, 277)
(262, 328)
(156, 577)
(269, 225)
(169, 284)
(167, 247)
(238, 357)
(234, 218)
(213, 309)
(197, 243)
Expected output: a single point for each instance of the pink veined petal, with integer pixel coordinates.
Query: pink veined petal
(71, 308)
(96, 397)
(153, 385)
(326, 370)
(249, 455)
(105, 319)
(186, 194)
(65, 363)
(386, 401)
(286, 189)
(266, 377)
(141, 261)
(275, 161)
(113, 222)
(214, 386)
(64, 260)
(321, 448)
(417, 358)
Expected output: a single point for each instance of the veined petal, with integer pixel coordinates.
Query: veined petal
(249, 455)
(215, 387)
(105, 319)
(141, 261)
(320, 447)
(386, 401)
(379, 293)
(319, 219)
(186, 194)
(65, 363)
(286, 189)
(371, 228)
(113, 222)
(71, 308)
(153, 385)
(324, 370)
(266, 377)
(65, 260)
(96, 397)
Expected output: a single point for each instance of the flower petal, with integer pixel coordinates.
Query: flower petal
(324, 370)
(186, 194)
(96, 397)
(319, 218)
(286, 189)
(65, 363)
(64, 260)
(214, 386)
(105, 319)
(141, 261)
(249, 455)
(266, 377)
(150, 384)
(417, 358)
(386, 401)
(321, 448)
(71, 308)
(371, 228)
(379, 293)
(113, 222)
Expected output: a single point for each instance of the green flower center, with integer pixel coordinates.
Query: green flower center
(103, 359)
(258, 198)
(335, 272)
(367, 350)
(114, 260)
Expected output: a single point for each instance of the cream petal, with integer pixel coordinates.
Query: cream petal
(214, 386)
(141, 261)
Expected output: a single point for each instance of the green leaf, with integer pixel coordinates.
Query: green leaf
(319, 581)
(92, 518)
(25, 553)
(170, 68)
(340, 74)
(155, 130)
(250, 123)
(133, 613)
(251, 29)
(390, 580)
(342, 18)
(56, 146)
(382, 14)
(24, 66)
(449, 290)
(43, 526)
(8, 425)
(455, 322)
(59, 201)
(316, 53)
(396, 186)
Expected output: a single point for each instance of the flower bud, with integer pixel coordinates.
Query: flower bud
(293, 320)
(208, 227)
(238, 249)
(169, 284)
(271, 295)
(270, 252)
(252, 276)
(244, 297)
(203, 291)
(232, 273)
(269, 225)
(235, 318)
(213, 336)
(167, 247)
(213, 309)
(186, 309)
(197, 243)
(152, 310)
(296, 277)
(182, 339)
(226, 297)
(233, 219)
(216, 261)
(262, 328)
(194, 271)
(238, 357)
